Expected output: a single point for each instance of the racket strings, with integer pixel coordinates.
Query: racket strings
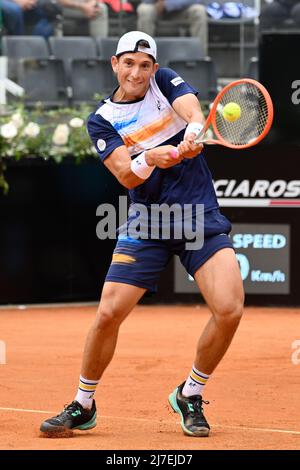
(253, 118)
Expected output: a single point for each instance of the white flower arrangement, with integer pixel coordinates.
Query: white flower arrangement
(9, 130)
(47, 134)
(76, 123)
(17, 120)
(61, 135)
(32, 130)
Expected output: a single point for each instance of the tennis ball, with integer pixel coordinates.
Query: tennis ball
(231, 112)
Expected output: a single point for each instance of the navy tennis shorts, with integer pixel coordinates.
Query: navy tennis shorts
(139, 262)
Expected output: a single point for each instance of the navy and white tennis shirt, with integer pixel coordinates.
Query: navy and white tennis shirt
(147, 123)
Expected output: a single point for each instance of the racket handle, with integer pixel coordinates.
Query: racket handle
(174, 153)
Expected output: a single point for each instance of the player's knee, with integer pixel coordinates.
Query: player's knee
(108, 317)
(229, 312)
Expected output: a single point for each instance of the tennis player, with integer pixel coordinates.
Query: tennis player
(136, 131)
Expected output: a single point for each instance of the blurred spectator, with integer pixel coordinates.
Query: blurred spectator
(273, 15)
(120, 5)
(192, 11)
(95, 12)
(18, 13)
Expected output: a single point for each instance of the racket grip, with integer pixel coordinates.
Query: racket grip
(174, 153)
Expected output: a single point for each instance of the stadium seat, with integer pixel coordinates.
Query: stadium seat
(166, 27)
(30, 65)
(24, 46)
(240, 23)
(178, 48)
(201, 74)
(107, 47)
(17, 47)
(253, 68)
(91, 76)
(72, 47)
(171, 48)
(44, 81)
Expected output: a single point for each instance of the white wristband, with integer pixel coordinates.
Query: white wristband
(140, 167)
(193, 127)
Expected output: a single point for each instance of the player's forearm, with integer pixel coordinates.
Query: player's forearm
(128, 179)
(120, 167)
(189, 108)
(195, 116)
(132, 173)
(142, 166)
(126, 173)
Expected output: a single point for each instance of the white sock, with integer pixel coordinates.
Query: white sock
(194, 383)
(85, 393)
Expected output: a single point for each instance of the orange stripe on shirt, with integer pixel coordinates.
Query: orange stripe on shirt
(147, 131)
(121, 258)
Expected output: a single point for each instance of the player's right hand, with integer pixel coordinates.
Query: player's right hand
(188, 149)
(163, 157)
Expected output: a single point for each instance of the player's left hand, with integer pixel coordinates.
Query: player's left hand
(187, 148)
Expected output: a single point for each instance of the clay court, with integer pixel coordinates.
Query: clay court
(254, 394)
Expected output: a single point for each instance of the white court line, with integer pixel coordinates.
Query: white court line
(28, 411)
(247, 428)
(53, 305)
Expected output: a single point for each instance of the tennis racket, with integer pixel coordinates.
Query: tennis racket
(255, 115)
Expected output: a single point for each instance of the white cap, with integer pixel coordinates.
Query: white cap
(129, 42)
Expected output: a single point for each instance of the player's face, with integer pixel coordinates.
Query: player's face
(133, 71)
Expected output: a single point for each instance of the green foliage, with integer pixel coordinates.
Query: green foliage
(44, 133)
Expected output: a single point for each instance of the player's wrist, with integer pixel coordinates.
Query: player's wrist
(193, 128)
(141, 166)
(149, 158)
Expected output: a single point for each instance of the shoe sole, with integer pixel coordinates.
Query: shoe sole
(89, 425)
(63, 431)
(202, 432)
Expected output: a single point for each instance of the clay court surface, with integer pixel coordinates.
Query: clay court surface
(254, 394)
